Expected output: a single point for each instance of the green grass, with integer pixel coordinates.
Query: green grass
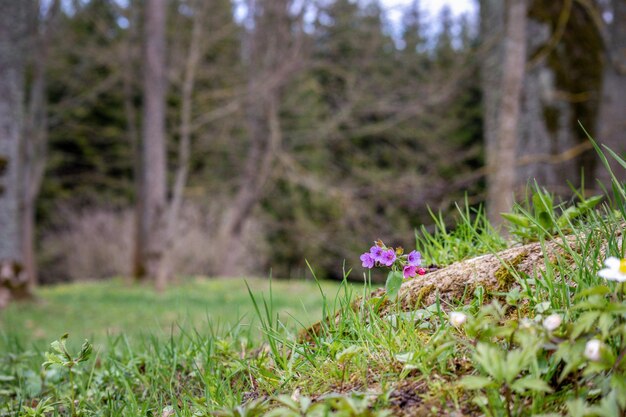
(190, 353)
(96, 310)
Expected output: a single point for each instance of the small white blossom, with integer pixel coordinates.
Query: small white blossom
(552, 322)
(457, 319)
(615, 269)
(592, 350)
(526, 323)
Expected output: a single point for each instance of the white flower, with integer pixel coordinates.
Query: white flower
(526, 323)
(615, 269)
(592, 350)
(457, 319)
(552, 322)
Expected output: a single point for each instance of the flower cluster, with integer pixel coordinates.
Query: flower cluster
(396, 259)
(615, 271)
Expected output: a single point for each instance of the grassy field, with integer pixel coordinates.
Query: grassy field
(548, 341)
(98, 310)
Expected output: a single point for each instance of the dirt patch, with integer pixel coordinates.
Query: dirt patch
(407, 397)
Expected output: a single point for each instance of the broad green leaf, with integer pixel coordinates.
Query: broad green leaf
(282, 412)
(542, 203)
(577, 407)
(567, 216)
(530, 383)
(605, 323)
(608, 407)
(491, 359)
(516, 219)
(618, 383)
(591, 202)
(288, 402)
(393, 284)
(473, 382)
(584, 323)
(597, 290)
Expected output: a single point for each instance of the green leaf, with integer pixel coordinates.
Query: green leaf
(608, 406)
(591, 202)
(567, 216)
(348, 353)
(85, 351)
(618, 383)
(405, 357)
(530, 383)
(618, 158)
(584, 322)
(516, 360)
(577, 407)
(491, 359)
(516, 219)
(542, 203)
(288, 402)
(393, 284)
(473, 382)
(542, 307)
(597, 290)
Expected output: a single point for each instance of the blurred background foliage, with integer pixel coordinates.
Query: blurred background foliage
(379, 120)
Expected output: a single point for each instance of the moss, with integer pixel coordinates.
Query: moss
(505, 274)
(423, 293)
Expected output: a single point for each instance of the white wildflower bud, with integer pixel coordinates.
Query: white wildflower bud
(552, 322)
(296, 395)
(457, 319)
(592, 350)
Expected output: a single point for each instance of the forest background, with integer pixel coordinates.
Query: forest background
(155, 138)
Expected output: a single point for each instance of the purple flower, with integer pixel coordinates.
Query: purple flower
(388, 257)
(409, 271)
(367, 260)
(376, 252)
(414, 258)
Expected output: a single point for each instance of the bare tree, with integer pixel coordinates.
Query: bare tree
(273, 49)
(503, 110)
(194, 55)
(13, 30)
(33, 152)
(152, 189)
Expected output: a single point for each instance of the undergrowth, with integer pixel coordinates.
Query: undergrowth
(553, 344)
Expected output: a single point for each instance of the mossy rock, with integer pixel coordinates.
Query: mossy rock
(494, 272)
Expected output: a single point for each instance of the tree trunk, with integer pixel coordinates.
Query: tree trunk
(152, 193)
(130, 76)
(561, 88)
(34, 149)
(501, 149)
(172, 218)
(612, 113)
(546, 121)
(13, 15)
(492, 29)
(273, 56)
